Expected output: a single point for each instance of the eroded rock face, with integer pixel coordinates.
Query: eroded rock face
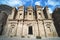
(6, 8)
(4, 12)
(56, 18)
(3, 18)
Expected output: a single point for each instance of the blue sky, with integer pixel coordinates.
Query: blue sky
(52, 4)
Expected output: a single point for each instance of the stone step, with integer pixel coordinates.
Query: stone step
(18, 38)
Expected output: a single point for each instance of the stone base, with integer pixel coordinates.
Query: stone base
(18, 38)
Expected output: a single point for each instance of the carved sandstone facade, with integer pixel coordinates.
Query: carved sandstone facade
(30, 22)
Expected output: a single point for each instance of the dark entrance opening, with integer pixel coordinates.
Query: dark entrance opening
(30, 30)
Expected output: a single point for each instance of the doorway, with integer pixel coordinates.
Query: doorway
(30, 30)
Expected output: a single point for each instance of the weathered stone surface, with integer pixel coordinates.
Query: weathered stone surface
(56, 19)
(30, 23)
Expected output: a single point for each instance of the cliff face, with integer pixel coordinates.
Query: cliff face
(4, 12)
(3, 18)
(6, 8)
(56, 18)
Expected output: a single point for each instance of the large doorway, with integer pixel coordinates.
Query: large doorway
(30, 30)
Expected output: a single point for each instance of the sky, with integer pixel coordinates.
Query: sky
(52, 4)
